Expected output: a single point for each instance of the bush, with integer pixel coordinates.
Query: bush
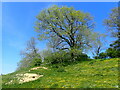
(96, 57)
(25, 63)
(114, 50)
(36, 62)
(61, 70)
(82, 57)
(113, 53)
(56, 57)
(110, 53)
(64, 58)
(103, 55)
(78, 55)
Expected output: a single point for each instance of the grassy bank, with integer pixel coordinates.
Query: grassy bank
(87, 74)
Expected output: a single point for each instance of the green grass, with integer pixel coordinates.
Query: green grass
(87, 74)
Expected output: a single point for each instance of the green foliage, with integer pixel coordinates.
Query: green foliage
(64, 57)
(113, 25)
(36, 62)
(112, 52)
(57, 57)
(82, 57)
(61, 69)
(25, 63)
(115, 45)
(102, 55)
(78, 55)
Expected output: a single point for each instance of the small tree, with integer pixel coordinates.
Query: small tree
(30, 56)
(98, 45)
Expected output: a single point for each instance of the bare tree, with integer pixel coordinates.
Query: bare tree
(31, 55)
(99, 44)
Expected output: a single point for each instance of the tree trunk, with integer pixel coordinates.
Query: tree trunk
(72, 56)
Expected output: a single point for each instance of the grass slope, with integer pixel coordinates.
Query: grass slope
(87, 74)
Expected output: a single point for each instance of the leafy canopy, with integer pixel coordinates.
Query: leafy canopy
(65, 28)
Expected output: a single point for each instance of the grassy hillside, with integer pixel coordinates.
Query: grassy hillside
(87, 74)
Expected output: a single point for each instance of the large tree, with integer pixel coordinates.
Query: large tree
(112, 23)
(65, 28)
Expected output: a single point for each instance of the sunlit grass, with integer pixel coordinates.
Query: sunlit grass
(88, 74)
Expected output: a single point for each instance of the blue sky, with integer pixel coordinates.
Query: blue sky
(18, 21)
(60, 0)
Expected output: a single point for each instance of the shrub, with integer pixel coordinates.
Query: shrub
(113, 53)
(103, 55)
(25, 63)
(96, 57)
(36, 62)
(56, 57)
(64, 58)
(78, 55)
(61, 70)
(82, 57)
